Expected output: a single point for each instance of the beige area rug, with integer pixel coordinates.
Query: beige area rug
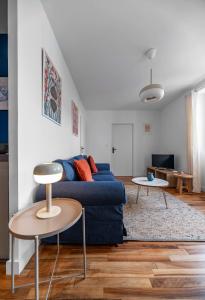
(149, 220)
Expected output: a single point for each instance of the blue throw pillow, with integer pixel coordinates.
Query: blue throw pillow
(69, 170)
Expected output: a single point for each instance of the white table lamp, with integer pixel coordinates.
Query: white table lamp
(48, 173)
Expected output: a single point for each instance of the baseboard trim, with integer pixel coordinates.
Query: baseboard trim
(19, 264)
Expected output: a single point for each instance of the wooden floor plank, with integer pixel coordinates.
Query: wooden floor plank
(178, 282)
(191, 257)
(178, 272)
(157, 293)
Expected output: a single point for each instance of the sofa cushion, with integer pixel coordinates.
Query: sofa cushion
(105, 172)
(103, 166)
(83, 170)
(103, 177)
(88, 193)
(92, 164)
(69, 172)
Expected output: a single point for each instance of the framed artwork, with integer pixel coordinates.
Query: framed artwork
(75, 118)
(52, 90)
(3, 93)
(147, 128)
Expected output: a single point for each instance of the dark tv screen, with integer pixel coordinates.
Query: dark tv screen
(3, 126)
(163, 161)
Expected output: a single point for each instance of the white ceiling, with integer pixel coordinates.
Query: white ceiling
(103, 42)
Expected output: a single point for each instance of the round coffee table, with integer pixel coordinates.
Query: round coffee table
(25, 225)
(158, 183)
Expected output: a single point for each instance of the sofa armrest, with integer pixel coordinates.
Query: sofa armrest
(88, 193)
(103, 166)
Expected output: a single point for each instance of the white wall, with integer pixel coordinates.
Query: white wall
(38, 139)
(173, 138)
(202, 137)
(173, 135)
(168, 134)
(99, 139)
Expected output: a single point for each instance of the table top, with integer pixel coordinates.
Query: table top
(145, 182)
(171, 172)
(25, 224)
(183, 175)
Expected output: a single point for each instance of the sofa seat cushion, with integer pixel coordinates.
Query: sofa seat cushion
(103, 177)
(88, 193)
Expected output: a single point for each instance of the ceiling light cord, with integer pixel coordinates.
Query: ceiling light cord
(151, 76)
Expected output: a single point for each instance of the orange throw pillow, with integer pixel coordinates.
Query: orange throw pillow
(92, 164)
(83, 170)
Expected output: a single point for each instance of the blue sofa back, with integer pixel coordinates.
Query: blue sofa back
(70, 174)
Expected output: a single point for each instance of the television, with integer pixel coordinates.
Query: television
(163, 161)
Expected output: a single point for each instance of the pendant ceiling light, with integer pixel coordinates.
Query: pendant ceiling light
(153, 92)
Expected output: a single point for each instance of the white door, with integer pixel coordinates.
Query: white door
(122, 147)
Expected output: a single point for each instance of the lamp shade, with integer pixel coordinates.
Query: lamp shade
(151, 93)
(48, 173)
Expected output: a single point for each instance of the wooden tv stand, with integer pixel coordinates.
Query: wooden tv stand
(174, 178)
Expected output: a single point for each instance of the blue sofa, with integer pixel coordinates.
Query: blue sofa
(103, 200)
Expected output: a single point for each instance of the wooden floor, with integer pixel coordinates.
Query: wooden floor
(133, 270)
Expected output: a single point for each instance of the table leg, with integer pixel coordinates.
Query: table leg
(165, 199)
(138, 193)
(84, 243)
(147, 191)
(54, 267)
(36, 268)
(177, 187)
(12, 264)
(58, 243)
(189, 185)
(180, 187)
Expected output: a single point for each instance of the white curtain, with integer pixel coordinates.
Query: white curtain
(193, 140)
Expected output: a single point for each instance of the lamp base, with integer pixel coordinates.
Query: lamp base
(44, 214)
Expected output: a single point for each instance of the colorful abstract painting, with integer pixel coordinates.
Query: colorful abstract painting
(75, 118)
(51, 90)
(3, 93)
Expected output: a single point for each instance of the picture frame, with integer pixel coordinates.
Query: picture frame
(75, 118)
(147, 128)
(51, 90)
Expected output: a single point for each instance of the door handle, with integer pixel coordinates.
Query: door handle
(113, 150)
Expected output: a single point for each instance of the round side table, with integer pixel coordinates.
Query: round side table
(25, 225)
(158, 183)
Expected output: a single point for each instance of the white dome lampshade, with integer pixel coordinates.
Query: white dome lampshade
(47, 174)
(151, 93)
